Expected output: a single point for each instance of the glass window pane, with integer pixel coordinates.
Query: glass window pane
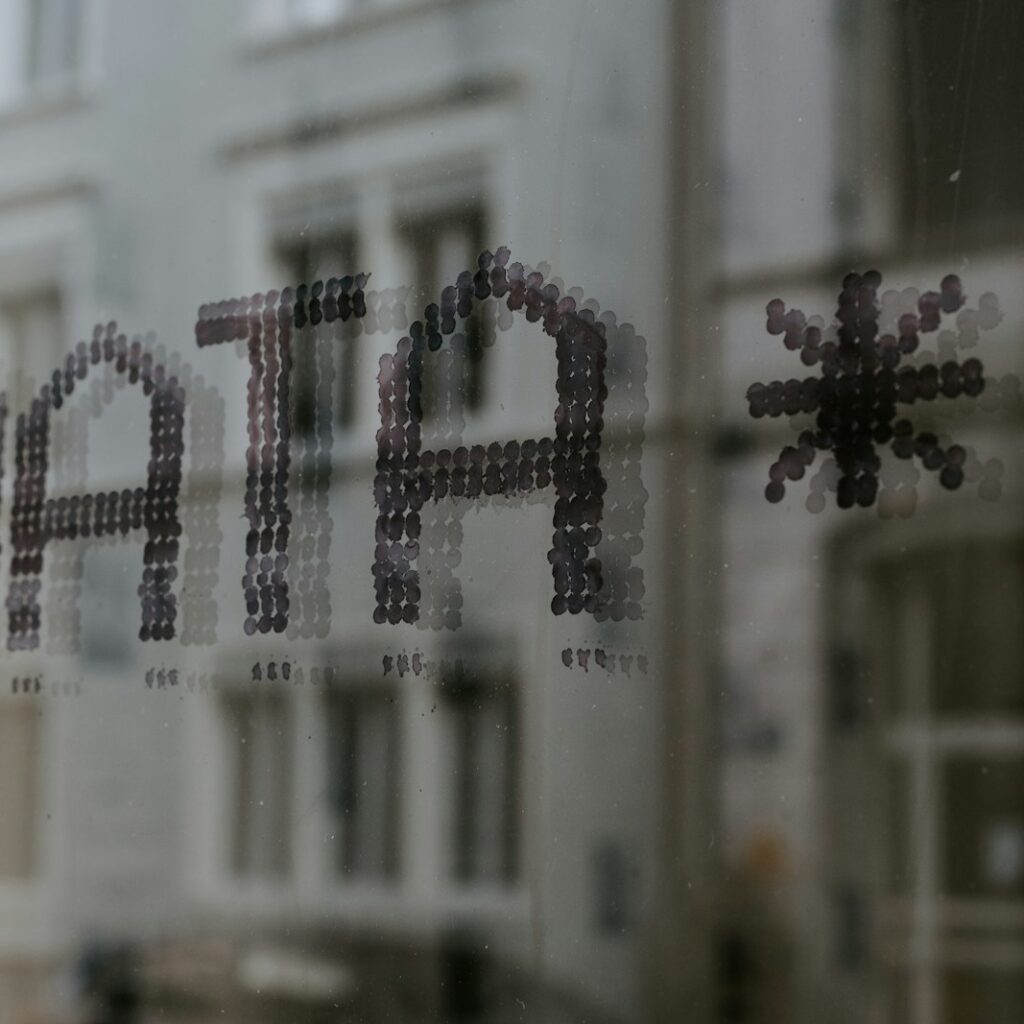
(979, 601)
(443, 247)
(901, 856)
(511, 511)
(484, 768)
(362, 768)
(19, 751)
(259, 736)
(55, 28)
(958, 70)
(982, 995)
(984, 832)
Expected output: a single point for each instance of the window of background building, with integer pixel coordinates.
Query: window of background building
(615, 883)
(484, 773)
(41, 45)
(258, 729)
(19, 755)
(951, 783)
(441, 245)
(54, 40)
(959, 107)
(362, 777)
(304, 262)
(31, 333)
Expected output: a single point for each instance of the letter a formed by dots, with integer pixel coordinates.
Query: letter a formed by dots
(36, 520)
(569, 462)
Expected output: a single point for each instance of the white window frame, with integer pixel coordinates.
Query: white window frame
(17, 92)
(922, 933)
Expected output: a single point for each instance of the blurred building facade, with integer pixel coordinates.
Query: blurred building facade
(480, 842)
(871, 675)
(806, 806)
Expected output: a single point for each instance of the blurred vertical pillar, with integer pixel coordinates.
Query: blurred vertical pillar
(681, 953)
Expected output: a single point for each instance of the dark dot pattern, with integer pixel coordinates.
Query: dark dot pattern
(441, 604)
(439, 527)
(36, 519)
(303, 607)
(569, 462)
(267, 324)
(202, 537)
(200, 512)
(625, 501)
(861, 384)
(313, 526)
(68, 472)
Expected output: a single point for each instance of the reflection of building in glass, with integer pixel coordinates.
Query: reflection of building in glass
(458, 845)
(805, 808)
(884, 653)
